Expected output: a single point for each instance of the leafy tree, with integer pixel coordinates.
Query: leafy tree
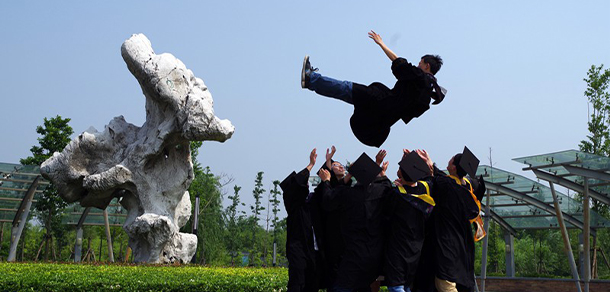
(598, 142)
(232, 220)
(55, 135)
(209, 188)
(256, 212)
(275, 204)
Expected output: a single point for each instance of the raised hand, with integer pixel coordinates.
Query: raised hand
(384, 167)
(312, 159)
(424, 155)
(329, 156)
(324, 174)
(380, 156)
(375, 37)
(405, 152)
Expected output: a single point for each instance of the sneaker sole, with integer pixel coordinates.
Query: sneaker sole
(303, 71)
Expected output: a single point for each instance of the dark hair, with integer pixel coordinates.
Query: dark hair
(456, 161)
(434, 61)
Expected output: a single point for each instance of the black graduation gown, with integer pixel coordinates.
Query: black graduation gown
(300, 252)
(333, 244)
(377, 108)
(361, 210)
(453, 238)
(405, 235)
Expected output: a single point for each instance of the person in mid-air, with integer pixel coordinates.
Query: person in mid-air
(377, 107)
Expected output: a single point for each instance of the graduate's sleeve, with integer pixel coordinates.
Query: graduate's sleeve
(403, 70)
(295, 190)
(479, 189)
(437, 172)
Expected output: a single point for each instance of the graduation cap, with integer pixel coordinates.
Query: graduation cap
(468, 162)
(413, 167)
(364, 169)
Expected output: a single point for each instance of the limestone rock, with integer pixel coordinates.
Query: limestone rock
(148, 167)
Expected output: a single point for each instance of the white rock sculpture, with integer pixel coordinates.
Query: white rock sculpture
(149, 167)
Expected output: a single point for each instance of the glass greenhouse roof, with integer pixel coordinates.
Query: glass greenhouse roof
(567, 167)
(526, 204)
(15, 180)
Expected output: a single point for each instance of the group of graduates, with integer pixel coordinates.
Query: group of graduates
(358, 230)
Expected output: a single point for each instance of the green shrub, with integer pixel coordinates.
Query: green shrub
(114, 277)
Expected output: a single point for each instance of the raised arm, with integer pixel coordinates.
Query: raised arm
(424, 155)
(312, 159)
(377, 38)
(329, 156)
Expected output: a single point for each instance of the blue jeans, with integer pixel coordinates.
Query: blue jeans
(398, 289)
(330, 87)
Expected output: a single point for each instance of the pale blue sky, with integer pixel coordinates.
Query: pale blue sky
(514, 71)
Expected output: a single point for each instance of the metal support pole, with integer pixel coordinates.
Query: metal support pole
(484, 256)
(566, 238)
(509, 251)
(581, 258)
(274, 253)
(78, 246)
(485, 240)
(108, 237)
(195, 224)
(587, 232)
(21, 217)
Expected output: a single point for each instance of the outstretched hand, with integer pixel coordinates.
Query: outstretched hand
(377, 38)
(329, 156)
(312, 159)
(424, 155)
(405, 153)
(324, 174)
(384, 167)
(380, 156)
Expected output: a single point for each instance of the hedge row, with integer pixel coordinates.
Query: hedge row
(83, 277)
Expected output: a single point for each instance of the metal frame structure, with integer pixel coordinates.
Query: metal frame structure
(21, 185)
(585, 173)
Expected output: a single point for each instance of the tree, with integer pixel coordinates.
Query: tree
(275, 204)
(208, 187)
(598, 141)
(232, 219)
(599, 98)
(256, 212)
(55, 135)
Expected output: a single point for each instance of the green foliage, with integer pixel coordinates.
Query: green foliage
(211, 233)
(81, 277)
(55, 135)
(256, 212)
(598, 140)
(233, 217)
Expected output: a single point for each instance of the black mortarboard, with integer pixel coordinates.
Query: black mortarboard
(413, 167)
(364, 169)
(469, 163)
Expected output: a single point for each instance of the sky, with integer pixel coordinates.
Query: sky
(513, 69)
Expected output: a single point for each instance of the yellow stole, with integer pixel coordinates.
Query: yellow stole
(424, 197)
(480, 232)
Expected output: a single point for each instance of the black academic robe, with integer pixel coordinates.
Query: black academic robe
(405, 234)
(453, 238)
(377, 107)
(361, 209)
(333, 244)
(303, 274)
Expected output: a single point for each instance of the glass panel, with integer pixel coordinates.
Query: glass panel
(505, 206)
